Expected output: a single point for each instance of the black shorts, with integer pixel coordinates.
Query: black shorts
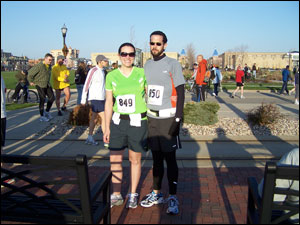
(98, 105)
(125, 136)
(158, 135)
(238, 84)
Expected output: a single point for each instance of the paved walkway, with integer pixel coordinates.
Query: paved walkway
(213, 170)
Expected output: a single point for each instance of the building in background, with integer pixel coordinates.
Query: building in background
(270, 60)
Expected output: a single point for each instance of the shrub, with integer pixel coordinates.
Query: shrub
(81, 115)
(263, 115)
(201, 113)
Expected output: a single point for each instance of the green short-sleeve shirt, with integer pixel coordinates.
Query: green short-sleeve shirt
(129, 92)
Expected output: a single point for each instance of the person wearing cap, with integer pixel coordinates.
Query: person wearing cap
(126, 122)
(61, 82)
(94, 91)
(39, 75)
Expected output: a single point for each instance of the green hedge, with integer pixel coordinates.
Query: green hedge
(201, 113)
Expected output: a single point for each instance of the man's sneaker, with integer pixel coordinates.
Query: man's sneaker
(44, 119)
(64, 108)
(213, 94)
(132, 201)
(296, 102)
(242, 97)
(59, 113)
(231, 96)
(116, 200)
(152, 199)
(106, 145)
(48, 115)
(173, 205)
(90, 141)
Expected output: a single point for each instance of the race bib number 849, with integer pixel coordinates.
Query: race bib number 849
(155, 94)
(126, 103)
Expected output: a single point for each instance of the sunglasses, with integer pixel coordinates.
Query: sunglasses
(125, 54)
(156, 43)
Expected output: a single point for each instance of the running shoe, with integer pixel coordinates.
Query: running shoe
(132, 200)
(116, 200)
(44, 119)
(90, 141)
(48, 115)
(242, 97)
(59, 113)
(152, 199)
(64, 108)
(173, 205)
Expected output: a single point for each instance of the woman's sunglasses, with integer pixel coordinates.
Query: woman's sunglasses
(125, 54)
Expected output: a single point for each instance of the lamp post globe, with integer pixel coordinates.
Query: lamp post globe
(65, 50)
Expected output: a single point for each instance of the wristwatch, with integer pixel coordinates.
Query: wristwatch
(177, 119)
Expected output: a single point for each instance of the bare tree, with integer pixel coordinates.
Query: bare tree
(132, 36)
(242, 52)
(191, 54)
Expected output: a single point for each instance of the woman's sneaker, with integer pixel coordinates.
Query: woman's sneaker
(132, 200)
(173, 205)
(116, 200)
(152, 199)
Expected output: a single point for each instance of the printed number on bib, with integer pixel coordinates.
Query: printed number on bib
(155, 94)
(126, 103)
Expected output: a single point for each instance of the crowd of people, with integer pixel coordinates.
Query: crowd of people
(140, 109)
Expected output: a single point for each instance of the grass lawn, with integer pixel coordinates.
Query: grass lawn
(10, 80)
(14, 106)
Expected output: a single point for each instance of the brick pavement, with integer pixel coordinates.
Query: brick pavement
(206, 195)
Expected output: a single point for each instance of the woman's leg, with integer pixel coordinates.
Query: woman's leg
(136, 167)
(116, 159)
(172, 171)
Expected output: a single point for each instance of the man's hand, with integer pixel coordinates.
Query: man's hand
(175, 127)
(32, 84)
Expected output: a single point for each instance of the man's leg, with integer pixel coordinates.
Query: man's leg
(57, 98)
(67, 96)
(17, 91)
(42, 97)
(51, 98)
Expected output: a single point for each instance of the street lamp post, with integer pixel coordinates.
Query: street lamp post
(65, 50)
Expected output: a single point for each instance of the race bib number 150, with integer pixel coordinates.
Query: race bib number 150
(126, 103)
(155, 94)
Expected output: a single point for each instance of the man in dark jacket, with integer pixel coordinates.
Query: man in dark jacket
(285, 79)
(39, 75)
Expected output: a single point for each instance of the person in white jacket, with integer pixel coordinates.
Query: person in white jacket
(94, 91)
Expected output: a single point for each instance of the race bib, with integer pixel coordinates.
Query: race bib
(126, 103)
(155, 94)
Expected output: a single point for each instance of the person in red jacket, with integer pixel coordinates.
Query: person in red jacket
(240, 79)
(202, 65)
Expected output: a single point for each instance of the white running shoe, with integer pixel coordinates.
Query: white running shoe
(44, 119)
(90, 141)
(242, 97)
(296, 102)
(173, 205)
(152, 199)
(48, 115)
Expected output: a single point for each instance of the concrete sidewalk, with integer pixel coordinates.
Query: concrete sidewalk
(26, 134)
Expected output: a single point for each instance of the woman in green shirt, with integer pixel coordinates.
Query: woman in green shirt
(126, 122)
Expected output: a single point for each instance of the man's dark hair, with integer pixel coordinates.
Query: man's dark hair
(165, 39)
(48, 55)
(287, 67)
(126, 44)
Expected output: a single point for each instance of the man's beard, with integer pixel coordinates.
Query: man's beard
(158, 53)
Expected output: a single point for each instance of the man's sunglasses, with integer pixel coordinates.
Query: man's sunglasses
(125, 54)
(156, 43)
